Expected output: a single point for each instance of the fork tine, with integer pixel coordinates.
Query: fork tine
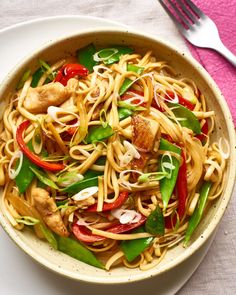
(186, 10)
(179, 13)
(172, 16)
(195, 8)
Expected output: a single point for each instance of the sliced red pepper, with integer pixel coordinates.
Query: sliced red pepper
(182, 192)
(85, 235)
(27, 152)
(130, 93)
(204, 130)
(184, 102)
(69, 71)
(123, 196)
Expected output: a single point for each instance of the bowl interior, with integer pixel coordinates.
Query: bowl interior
(185, 66)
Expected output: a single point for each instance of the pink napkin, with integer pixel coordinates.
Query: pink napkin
(223, 13)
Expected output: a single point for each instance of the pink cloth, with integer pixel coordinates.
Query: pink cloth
(223, 13)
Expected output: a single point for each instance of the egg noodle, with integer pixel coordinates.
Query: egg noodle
(123, 157)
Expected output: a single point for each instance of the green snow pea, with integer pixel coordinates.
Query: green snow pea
(185, 117)
(167, 184)
(198, 212)
(124, 113)
(134, 248)
(98, 133)
(128, 82)
(85, 56)
(26, 175)
(78, 251)
(90, 179)
(155, 223)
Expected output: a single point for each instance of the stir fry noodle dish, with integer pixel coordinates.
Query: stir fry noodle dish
(107, 155)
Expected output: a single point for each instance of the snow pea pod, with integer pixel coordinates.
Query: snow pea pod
(185, 117)
(155, 223)
(26, 175)
(98, 133)
(90, 179)
(167, 184)
(85, 56)
(128, 82)
(78, 251)
(124, 113)
(134, 248)
(198, 212)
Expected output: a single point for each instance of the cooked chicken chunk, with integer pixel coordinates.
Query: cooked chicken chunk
(144, 133)
(48, 210)
(40, 98)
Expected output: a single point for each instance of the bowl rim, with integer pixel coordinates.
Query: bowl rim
(210, 228)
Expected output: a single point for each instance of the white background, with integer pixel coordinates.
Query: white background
(217, 273)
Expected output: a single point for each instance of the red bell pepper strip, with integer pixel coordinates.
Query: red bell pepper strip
(184, 102)
(123, 196)
(69, 71)
(131, 93)
(28, 153)
(204, 132)
(182, 192)
(85, 235)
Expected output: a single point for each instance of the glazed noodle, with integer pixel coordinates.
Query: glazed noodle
(96, 155)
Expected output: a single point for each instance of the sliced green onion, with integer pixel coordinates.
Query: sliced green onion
(103, 118)
(97, 58)
(27, 220)
(14, 172)
(23, 79)
(47, 69)
(43, 178)
(167, 166)
(37, 140)
(146, 177)
(129, 106)
(69, 178)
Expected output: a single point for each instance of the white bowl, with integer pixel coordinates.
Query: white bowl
(187, 66)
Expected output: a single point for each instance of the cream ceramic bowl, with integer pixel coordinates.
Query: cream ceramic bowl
(186, 66)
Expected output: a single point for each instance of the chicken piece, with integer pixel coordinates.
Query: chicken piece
(83, 204)
(40, 98)
(48, 210)
(144, 133)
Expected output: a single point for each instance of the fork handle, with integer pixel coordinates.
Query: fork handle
(223, 50)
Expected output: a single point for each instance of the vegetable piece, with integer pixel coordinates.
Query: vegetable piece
(27, 152)
(181, 185)
(23, 79)
(185, 117)
(167, 184)
(85, 235)
(110, 58)
(198, 212)
(124, 113)
(85, 57)
(90, 179)
(43, 177)
(204, 132)
(49, 236)
(128, 82)
(134, 248)
(98, 133)
(184, 102)
(155, 223)
(123, 196)
(36, 77)
(26, 175)
(78, 251)
(69, 71)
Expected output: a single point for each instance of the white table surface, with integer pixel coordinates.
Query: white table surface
(217, 272)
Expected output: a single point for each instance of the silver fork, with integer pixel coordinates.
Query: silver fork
(196, 27)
